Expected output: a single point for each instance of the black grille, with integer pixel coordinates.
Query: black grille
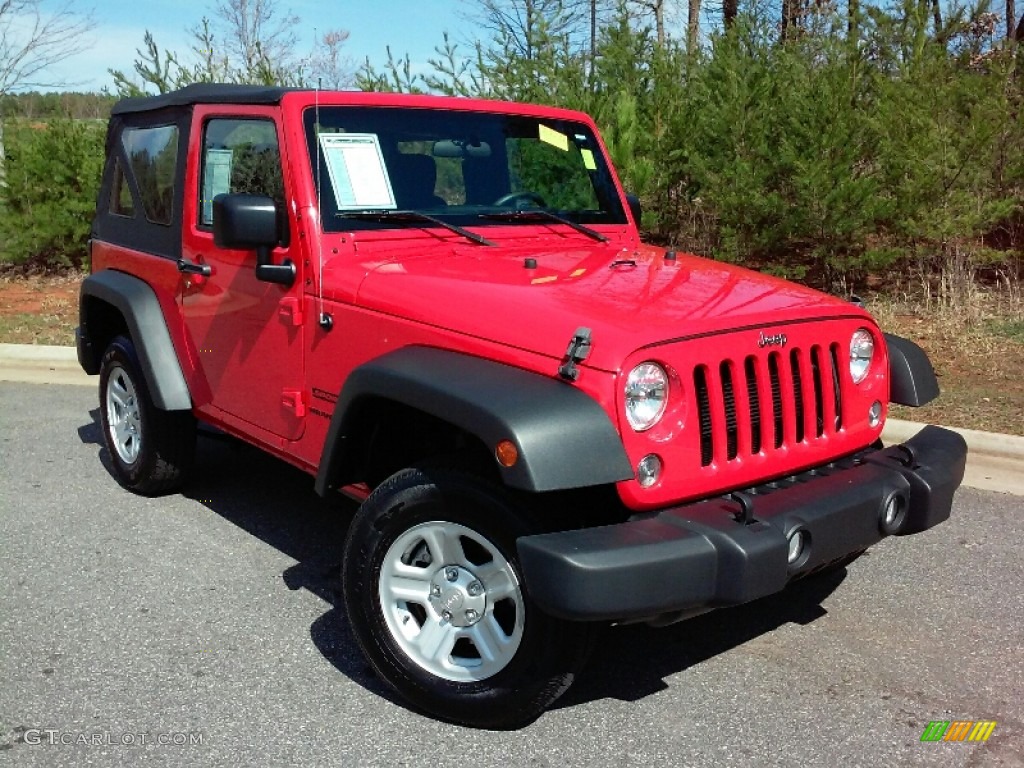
(837, 396)
(806, 378)
(819, 403)
(731, 427)
(700, 386)
(750, 370)
(773, 374)
(798, 393)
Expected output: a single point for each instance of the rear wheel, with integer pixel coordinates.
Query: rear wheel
(434, 594)
(151, 449)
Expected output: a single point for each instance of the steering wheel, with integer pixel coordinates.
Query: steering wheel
(516, 198)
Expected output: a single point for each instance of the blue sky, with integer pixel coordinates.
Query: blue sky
(413, 26)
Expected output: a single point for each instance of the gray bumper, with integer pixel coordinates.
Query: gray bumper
(725, 552)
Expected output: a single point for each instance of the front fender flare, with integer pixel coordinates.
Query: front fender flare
(911, 376)
(564, 437)
(140, 308)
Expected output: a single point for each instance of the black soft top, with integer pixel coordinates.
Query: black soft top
(203, 93)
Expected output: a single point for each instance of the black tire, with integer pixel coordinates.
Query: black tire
(151, 449)
(542, 656)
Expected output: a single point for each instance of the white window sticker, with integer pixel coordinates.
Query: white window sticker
(358, 174)
(216, 179)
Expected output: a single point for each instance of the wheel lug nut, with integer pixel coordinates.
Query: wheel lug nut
(471, 615)
(452, 574)
(475, 588)
(446, 615)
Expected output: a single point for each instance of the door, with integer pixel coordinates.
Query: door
(246, 333)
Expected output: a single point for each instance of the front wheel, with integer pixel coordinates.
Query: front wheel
(434, 594)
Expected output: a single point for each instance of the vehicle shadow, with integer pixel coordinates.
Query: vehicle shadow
(276, 503)
(633, 661)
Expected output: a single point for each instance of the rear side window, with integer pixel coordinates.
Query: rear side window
(152, 155)
(239, 156)
(121, 202)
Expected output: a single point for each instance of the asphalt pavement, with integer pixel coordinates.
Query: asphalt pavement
(201, 629)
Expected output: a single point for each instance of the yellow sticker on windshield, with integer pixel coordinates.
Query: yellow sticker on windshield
(588, 160)
(554, 138)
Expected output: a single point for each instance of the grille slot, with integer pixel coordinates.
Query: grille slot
(707, 443)
(837, 396)
(798, 393)
(819, 403)
(773, 374)
(750, 369)
(731, 423)
(735, 414)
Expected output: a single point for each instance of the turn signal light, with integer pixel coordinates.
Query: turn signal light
(506, 453)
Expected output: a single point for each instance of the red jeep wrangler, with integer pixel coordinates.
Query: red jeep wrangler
(442, 307)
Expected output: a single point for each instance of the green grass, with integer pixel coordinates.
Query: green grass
(1010, 329)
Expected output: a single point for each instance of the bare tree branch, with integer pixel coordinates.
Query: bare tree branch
(328, 64)
(521, 22)
(257, 37)
(657, 9)
(32, 40)
(246, 41)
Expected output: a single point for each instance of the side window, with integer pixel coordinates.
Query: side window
(239, 156)
(152, 156)
(121, 202)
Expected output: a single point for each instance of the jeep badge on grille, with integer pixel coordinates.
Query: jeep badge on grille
(775, 340)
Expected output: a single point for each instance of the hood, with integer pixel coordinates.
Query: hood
(629, 297)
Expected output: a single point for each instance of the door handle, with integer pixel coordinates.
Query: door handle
(188, 268)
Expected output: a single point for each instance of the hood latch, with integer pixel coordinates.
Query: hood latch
(577, 352)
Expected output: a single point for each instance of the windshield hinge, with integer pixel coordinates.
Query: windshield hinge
(291, 307)
(577, 352)
(294, 401)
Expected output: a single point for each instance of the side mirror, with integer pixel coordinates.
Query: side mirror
(634, 208)
(250, 222)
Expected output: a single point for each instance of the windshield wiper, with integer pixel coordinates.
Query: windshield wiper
(387, 214)
(541, 214)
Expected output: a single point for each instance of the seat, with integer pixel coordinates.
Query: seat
(413, 178)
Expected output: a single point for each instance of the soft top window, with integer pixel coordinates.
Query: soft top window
(152, 157)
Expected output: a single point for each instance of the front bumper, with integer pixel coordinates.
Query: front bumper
(732, 550)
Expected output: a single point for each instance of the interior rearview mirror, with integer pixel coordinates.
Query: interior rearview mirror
(460, 148)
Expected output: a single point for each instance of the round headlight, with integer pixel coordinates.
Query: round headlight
(862, 350)
(646, 395)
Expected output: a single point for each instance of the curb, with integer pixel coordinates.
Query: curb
(42, 364)
(983, 443)
(994, 460)
(37, 354)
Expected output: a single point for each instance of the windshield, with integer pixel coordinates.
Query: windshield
(460, 167)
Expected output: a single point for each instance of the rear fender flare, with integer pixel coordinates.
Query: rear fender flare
(137, 303)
